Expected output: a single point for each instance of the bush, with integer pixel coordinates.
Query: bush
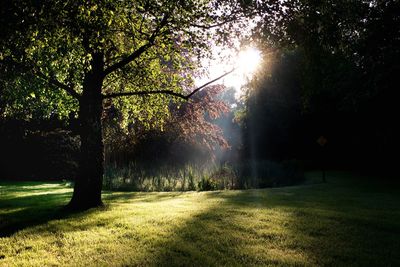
(207, 184)
(225, 177)
(265, 173)
(37, 154)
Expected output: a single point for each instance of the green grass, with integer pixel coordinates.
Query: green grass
(348, 221)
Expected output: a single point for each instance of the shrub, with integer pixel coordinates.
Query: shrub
(265, 173)
(207, 184)
(48, 154)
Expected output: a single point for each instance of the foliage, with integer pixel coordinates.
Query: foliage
(207, 184)
(137, 176)
(343, 59)
(257, 173)
(194, 121)
(349, 46)
(37, 150)
(188, 134)
(167, 177)
(58, 39)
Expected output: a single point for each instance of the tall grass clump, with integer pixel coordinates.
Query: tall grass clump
(190, 177)
(152, 177)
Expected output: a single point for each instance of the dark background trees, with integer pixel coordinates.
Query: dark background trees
(342, 80)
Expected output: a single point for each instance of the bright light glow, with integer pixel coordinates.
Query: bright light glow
(245, 63)
(248, 61)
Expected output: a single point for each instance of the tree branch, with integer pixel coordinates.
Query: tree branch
(58, 84)
(144, 93)
(137, 53)
(128, 59)
(30, 68)
(166, 92)
(231, 18)
(208, 27)
(210, 82)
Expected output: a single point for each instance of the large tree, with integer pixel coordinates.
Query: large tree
(73, 55)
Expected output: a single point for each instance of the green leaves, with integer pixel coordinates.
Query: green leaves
(58, 38)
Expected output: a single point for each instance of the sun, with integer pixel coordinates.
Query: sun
(248, 61)
(245, 63)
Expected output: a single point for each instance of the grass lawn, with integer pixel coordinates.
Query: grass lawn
(348, 221)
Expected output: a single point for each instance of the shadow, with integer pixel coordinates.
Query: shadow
(320, 224)
(314, 225)
(31, 204)
(19, 213)
(37, 207)
(124, 197)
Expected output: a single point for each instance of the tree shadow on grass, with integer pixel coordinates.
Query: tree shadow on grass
(35, 204)
(307, 225)
(39, 207)
(124, 197)
(286, 227)
(18, 213)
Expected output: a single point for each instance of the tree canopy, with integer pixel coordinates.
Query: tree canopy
(147, 47)
(65, 56)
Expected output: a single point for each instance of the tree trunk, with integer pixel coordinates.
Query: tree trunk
(89, 182)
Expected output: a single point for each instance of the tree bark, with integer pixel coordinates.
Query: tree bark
(89, 182)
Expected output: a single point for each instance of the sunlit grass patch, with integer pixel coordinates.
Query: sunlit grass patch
(319, 224)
